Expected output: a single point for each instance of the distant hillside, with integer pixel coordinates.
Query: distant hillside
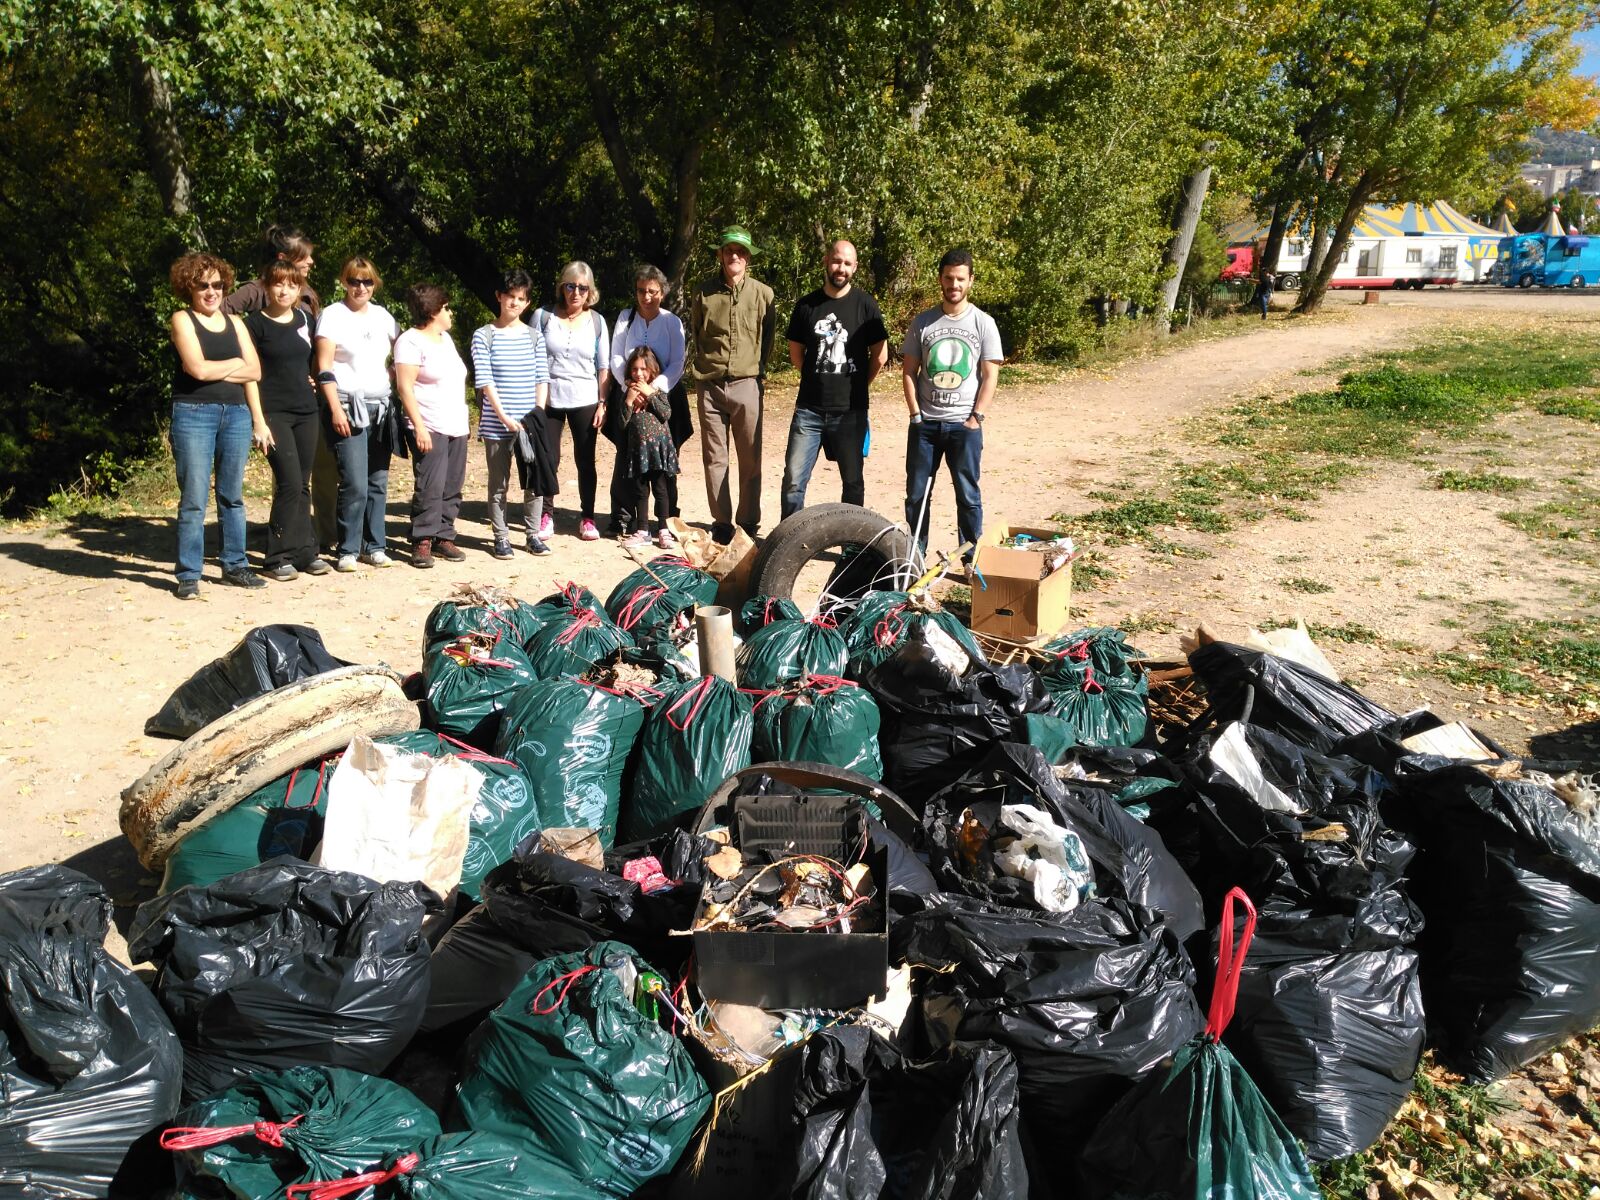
(1554, 146)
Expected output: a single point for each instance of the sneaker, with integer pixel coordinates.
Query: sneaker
(665, 540)
(537, 547)
(315, 567)
(502, 548)
(282, 573)
(448, 550)
(422, 553)
(243, 577)
(547, 524)
(587, 531)
(377, 558)
(188, 589)
(638, 540)
(346, 563)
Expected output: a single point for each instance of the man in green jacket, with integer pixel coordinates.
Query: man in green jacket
(730, 329)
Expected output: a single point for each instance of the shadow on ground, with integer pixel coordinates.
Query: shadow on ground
(1577, 744)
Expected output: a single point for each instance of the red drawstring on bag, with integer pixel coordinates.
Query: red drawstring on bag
(333, 1189)
(640, 601)
(195, 1137)
(1230, 963)
(825, 621)
(472, 753)
(698, 693)
(583, 619)
(887, 631)
(566, 981)
(826, 685)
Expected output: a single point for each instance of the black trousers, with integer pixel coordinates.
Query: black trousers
(291, 537)
(436, 495)
(644, 486)
(584, 434)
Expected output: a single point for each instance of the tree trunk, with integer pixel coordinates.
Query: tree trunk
(1276, 228)
(1312, 291)
(686, 204)
(164, 144)
(1177, 256)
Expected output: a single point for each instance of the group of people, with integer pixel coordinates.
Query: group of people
(331, 394)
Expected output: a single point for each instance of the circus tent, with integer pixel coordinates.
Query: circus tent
(1382, 220)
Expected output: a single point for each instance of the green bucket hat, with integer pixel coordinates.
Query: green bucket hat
(737, 235)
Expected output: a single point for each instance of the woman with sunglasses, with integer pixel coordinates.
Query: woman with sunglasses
(354, 340)
(577, 348)
(213, 420)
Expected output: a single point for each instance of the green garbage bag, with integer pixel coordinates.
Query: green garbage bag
(469, 681)
(1094, 686)
(1200, 1130)
(572, 739)
(695, 737)
(453, 1166)
(881, 622)
(651, 611)
(574, 642)
(480, 609)
(561, 603)
(671, 571)
(569, 1070)
(282, 817)
(1052, 736)
(786, 651)
(504, 814)
(760, 611)
(316, 1123)
(821, 719)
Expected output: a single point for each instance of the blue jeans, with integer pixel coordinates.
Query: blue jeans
(209, 438)
(844, 433)
(927, 442)
(363, 460)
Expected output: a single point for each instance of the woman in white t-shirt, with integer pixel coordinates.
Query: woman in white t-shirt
(432, 381)
(354, 338)
(577, 349)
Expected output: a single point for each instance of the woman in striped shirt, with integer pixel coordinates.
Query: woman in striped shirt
(513, 377)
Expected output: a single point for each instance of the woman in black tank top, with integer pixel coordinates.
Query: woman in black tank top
(213, 421)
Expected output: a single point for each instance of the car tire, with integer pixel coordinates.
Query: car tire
(258, 742)
(1525, 280)
(1578, 281)
(814, 531)
(1289, 283)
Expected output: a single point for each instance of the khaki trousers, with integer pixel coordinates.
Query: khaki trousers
(732, 407)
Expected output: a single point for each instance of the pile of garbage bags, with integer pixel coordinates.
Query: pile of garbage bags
(452, 963)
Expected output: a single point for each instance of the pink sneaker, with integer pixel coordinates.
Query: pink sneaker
(547, 525)
(665, 540)
(587, 531)
(637, 540)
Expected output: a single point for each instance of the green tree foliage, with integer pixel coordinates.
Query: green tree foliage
(452, 141)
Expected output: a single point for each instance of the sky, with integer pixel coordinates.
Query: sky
(1590, 65)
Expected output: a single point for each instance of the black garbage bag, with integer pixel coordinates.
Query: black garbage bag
(540, 905)
(88, 1061)
(1200, 1130)
(1509, 878)
(1330, 1018)
(1088, 1001)
(1274, 693)
(287, 964)
(1128, 860)
(937, 722)
(845, 1114)
(265, 658)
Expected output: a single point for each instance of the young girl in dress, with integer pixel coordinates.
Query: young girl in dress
(652, 457)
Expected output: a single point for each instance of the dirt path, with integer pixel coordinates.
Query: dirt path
(92, 640)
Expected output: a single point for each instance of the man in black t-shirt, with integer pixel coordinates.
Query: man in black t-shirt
(838, 343)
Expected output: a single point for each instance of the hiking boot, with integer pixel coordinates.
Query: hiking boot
(188, 589)
(422, 553)
(502, 548)
(448, 550)
(282, 573)
(243, 577)
(315, 567)
(536, 547)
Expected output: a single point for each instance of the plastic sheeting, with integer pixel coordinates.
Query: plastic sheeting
(265, 659)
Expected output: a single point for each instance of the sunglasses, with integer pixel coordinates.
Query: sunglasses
(214, 285)
(358, 283)
(581, 288)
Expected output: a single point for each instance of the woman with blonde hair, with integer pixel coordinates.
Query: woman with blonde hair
(577, 349)
(214, 421)
(354, 340)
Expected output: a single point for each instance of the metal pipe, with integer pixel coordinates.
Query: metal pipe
(713, 628)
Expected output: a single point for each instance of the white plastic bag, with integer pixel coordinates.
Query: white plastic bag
(1233, 755)
(399, 816)
(1051, 858)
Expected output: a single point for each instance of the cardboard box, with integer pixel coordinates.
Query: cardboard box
(1017, 605)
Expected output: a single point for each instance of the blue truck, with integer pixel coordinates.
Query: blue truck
(1550, 260)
